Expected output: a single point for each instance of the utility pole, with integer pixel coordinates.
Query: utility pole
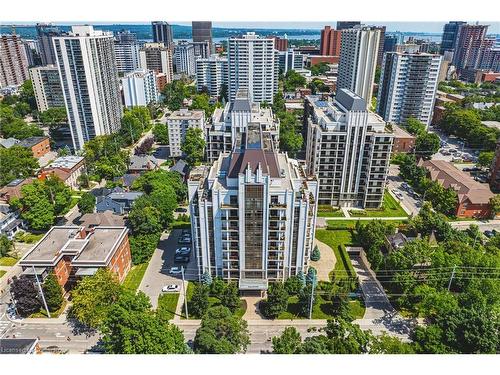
(41, 291)
(184, 292)
(451, 278)
(311, 302)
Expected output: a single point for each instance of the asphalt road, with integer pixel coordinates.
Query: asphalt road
(394, 182)
(157, 274)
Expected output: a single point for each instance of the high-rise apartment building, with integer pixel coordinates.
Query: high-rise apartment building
(349, 149)
(450, 34)
(139, 88)
(87, 66)
(290, 60)
(184, 58)
(202, 50)
(162, 33)
(381, 43)
(178, 124)
(126, 51)
(469, 44)
(253, 65)
(330, 42)
(202, 32)
(212, 74)
(343, 25)
(47, 87)
(45, 33)
(281, 44)
(158, 58)
(13, 61)
(408, 85)
(229, 122)
(390, 42)
(358, 61)
(253, 214)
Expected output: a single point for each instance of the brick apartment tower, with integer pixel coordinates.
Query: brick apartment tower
(330, 42)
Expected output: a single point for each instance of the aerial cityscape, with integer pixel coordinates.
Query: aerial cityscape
(190, 189)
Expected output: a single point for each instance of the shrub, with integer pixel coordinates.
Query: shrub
(315, 255)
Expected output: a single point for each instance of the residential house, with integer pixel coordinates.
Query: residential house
(182, 168)
(38, 145)
(118, 202)
(473, 197)
(403, 141)
(142, 163)
(67, 168)
(10, 223)
(13, 189)
(8, 142)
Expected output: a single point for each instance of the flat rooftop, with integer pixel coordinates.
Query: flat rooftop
(66, 162)
(96, 247)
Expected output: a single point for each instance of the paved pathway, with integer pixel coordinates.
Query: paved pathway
(379, 315)
(326, 263)
(252, 312)
(366, 218)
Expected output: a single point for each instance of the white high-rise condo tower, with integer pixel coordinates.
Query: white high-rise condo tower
(358, 61)
(253, 65)
(89, 77)
(408, 84)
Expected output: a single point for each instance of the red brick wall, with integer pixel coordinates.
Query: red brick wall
(121, 261)
(472, 210)
(41, 148)
(403, 144)
(62, 271)
(328, 59)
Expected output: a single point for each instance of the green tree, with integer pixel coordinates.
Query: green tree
(6, 245)
(53, 292)
(144, 219)
(217, 288)
(221, 332)
(26, 296)
(427, 144)
(206, 278)
(93, 297)
(160, 132)
(16, 162)
(495, 205)
(305, 300)
(142, 246)
(290, 140)
(130, 327)
(315, 254)
(347, 338)
(152, 181)
(198, 305)
(230, 297)
(54, 117)
(276, 302)
(485, 159)
(193, 146)
(385, 344)
(38, 211)
(415, 126)
(294, 284)
(86, 204)
(202, 102)
(289, 342)
(294, 80)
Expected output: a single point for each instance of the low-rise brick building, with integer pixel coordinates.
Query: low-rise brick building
(72, 252)
(67, 168)
(403, 141)
(38, 145)
(473, 197)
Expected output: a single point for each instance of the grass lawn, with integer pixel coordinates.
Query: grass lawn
(8, 261)
(351, 224)
(2, 272)
(390, 208)
(329, 211)
(167, 303)
(27, 237)
(322, 309)
(53, 314)
(212, 301)
(334, 238)
(135, 275)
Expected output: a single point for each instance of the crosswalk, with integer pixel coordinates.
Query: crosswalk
(4, 326)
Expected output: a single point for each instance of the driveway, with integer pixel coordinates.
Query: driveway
(157, 276)
(379, 315)
(394, 182)
(326, 263)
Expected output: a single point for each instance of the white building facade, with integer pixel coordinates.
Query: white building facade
(253, 214)
(349, 149)
(139, 88)
(89, 77)
(290, 60)
(408, 84)
(184, 58)
(230, 122)
(211, 73)
(253, 65)
(47, 87)
(158, 58)
(178, 123)
(126, 51)
(358, 61)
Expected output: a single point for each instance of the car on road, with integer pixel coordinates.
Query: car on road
(453, 150)
(170, 288)
(185, 240)
(175, 270)
(444, 152)
(181, 209)
(405, 185)
(489, 233)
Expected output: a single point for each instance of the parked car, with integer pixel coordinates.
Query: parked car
(181, 259)
(185, 240)
(175, 270)
(181, 209)
(445, 152)
(170, 288)
(456, 159)
(453, 150)
(183, 251)
(489, 233)
(404, 185)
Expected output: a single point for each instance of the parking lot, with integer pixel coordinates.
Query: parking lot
(410, 203)
(158, 272)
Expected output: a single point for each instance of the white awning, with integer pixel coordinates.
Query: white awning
(253, 284)
(86, 271)
(38, 270)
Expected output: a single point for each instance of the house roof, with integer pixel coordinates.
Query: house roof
(143, 162)
(8, 143)
(106, 218)
(32, 141)
(66, 162)
(467, 189)
(181, 167)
